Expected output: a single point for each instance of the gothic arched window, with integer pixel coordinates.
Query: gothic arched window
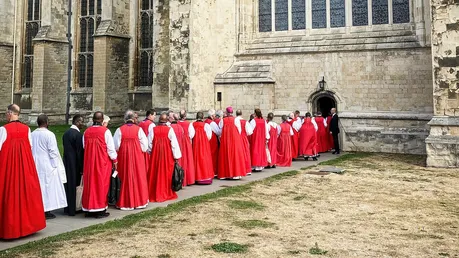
(298, 14)
(401, 11)
(337, 13)
(32, 25)
(281, 15)
(380, 12)
(145, 65)
(90, 17)
(319, 14)
(359, 12)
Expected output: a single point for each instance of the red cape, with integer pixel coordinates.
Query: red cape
(284, 146)
(272, 145)
(213, 148)
(178, 130)
(96, 171)
(231, 154)
(245, 146)
(295, 139)
(131, 170)
(21, 204)
(187, 155)
(308, 139)
(144, 125)
(202, 155)
(322, 135)
(258, 144)
(161, 167)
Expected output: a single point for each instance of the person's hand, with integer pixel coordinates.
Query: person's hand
(115, 165)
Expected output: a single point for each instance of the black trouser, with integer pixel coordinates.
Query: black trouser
(336, 141)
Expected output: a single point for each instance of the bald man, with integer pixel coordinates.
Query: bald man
(21, 204)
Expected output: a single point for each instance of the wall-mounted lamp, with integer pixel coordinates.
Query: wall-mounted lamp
(322, 83)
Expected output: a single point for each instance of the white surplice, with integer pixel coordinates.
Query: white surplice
(48, 162)
(172, 137)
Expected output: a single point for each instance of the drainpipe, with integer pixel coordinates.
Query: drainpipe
(13, 76)
(69, 66)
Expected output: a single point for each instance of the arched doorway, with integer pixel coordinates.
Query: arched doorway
(324, 103)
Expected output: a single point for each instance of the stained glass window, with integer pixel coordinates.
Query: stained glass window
(281, 15)
(298, 14)
(319, 14)
(145, 71)
(337, 13)
(359, 12)
(380, 12)
(89, 21)
(32, 25)
(401, 11)
(264, 15)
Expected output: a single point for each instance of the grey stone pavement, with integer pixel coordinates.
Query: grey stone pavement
(63, 223)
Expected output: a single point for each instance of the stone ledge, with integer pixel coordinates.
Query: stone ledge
(442, 139)
(444, 121)
(42, 35)
(255, 71)
(386, 115)
(6, 44)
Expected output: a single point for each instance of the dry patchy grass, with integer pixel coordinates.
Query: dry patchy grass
(383, 206)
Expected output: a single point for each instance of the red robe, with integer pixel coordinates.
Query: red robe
(202, 155)
(245, 146)
(231, 154)
(322, 135)
(187, 155)
(161, 166)
(295, 138)
(97, 170)
(213, 147)
(272, 145)
(258, 144)
(308, 138)
(144, 125)
(179, 133)
(21, 204)
(131, 170)
(284, 146)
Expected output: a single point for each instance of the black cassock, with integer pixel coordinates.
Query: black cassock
(73, 162)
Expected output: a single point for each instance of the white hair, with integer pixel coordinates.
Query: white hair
(211, 112)
(129, 115)
(106, 119)
(219, 113)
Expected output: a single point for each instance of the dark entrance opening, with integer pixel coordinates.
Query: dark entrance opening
(324, 104)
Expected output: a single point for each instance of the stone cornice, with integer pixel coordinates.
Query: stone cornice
(444, 121)
(386, 115)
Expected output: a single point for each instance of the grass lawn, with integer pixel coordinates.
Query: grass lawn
(382, 206)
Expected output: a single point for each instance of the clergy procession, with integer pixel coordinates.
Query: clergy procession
(144, 157)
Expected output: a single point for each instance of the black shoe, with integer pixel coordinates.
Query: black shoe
(273, 166)
(267, 167)
(306, 158)
(334, 152)
(102, 214)
(314, 159)
(49, 215)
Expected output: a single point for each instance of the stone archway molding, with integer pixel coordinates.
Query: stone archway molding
(316, 94)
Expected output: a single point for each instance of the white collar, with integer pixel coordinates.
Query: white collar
(75, 127)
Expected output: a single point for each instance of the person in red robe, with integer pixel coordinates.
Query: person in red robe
(150, 117)
(216, 132)
(295, 123)
(258, 145)
(322, 134)
(187, 150)
(231, 153)
(99, 158)
(246, 131)
(165, 151)
(131, 143)
(308, 138)
(284, 144)
(21, 205)
(201, 151)
(180, 134)
(274, 131)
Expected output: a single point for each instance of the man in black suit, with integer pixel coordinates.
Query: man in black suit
(334, 130)
(73, 161)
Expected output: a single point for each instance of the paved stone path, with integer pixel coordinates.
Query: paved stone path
(62, 223)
